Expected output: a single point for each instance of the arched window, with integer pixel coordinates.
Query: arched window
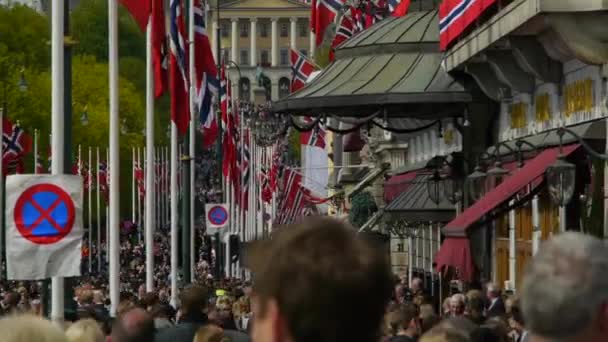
(245, 89)
(284, 85)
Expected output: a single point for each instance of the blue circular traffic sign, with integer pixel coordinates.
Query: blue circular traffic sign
(217, 215)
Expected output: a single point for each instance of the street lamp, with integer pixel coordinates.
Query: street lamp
(561, 178)
(477, 184)
(434, 187)
(84, 117)
(495, 176)
(22, 82)
(123, 127)
(452, 189)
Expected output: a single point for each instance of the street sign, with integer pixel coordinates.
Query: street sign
(217, 217)
(43, 226)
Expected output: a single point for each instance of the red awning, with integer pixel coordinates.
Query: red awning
(397, 184)
(529, 173)
(456, 252)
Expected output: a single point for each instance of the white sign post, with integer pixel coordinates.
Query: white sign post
(43, 226)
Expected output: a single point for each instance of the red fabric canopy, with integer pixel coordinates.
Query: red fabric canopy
(456, 252)
(397, 184)
(529, 173)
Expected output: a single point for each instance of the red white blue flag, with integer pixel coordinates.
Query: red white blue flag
(178, 71)
(323, 13)
(455, 16)
(301, 69)
(398, 8)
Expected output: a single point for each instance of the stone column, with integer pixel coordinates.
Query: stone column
(234, 44)
(313, 45)
(253, 42)
(293, 33)
(274, 53)
(214, 39)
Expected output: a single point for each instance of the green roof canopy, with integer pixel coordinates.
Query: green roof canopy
(395, 65)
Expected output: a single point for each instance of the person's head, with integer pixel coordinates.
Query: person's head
(134, 325)
(516, 317)
(27, 328)
(318, 269)
(492, 291)
(86, 330)
(209, 333)
(406, 319)
(11, 299)
(475, 306)
(416, 285)
(565, 289)
(97, 297)
(457, 304)
(194, 300)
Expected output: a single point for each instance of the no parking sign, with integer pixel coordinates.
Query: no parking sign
(217, 217)
(43, 226)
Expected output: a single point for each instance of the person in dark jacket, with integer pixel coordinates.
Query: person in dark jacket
(496, 306)
(405, 323)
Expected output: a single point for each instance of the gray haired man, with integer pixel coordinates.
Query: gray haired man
(565, 291)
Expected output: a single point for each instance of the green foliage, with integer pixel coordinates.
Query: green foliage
(362, 208)
(295, 148)
(24, 37)
(90, 29)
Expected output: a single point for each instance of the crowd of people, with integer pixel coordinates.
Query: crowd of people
(320, 281)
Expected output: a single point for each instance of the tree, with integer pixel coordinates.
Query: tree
(25, 35)
(362, 209)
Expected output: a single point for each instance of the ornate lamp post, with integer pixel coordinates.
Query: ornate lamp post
(434, 187)
(476, 182)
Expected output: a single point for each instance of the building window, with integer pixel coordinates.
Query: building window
(264, 30)
(225, 28)
(304, 52)
(284, 57)
(244, 58)
(264, 58)
(303, 29)
(244, 28)
(284, 29)
(400, 247)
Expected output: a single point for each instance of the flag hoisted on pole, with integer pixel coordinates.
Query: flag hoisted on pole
(98, 212)
(114, 221)
(90, 208)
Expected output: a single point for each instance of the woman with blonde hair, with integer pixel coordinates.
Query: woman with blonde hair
(86, 330)
(28, 328)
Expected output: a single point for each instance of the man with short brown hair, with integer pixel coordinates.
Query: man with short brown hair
(318, 281)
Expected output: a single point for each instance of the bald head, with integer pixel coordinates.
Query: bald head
(135, 325)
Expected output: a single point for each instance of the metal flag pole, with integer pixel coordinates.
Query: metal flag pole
(114, 158)
(35, 150)
(90, 207)
(150, 168)
(98, 215)
(133, 183)
(57, 131)
(138, 196)
(174, 213)
(157, 186)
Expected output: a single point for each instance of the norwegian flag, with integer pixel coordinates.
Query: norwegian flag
(230, 139)
(314, 137)
(206, 76)
(39, 166)
(291, 202)
(323, 13)
(178, 71)
(15, 142)
(152, 11)
(398, 8)
(139, 179)
(301, 69)
(81, 169)
(244, 167)
(103, 180)
(346, 30)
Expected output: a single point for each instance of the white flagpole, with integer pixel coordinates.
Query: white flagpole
(90, 184)
(98, 215)
(107, 210)
(138, 222)
(192, 136)
(174, 213)
(150, 161)
(167, 185)
(133, 184)
(157, 187)
(35, 151)
(114, 158)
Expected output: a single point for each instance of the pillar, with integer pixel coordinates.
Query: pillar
(253, 41)
(293, 33)
(275, 42)
(312, 45)
(512, 251)
(214, 39)
(234, 44)
(536, 233)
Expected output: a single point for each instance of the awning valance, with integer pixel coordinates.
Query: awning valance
(394, 65)
(456, 252)
(529, 173)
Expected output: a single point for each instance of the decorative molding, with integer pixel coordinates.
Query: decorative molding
(508, 71)
(487, 81)
(533, 59)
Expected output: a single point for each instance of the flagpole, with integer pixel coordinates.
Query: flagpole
(98, 215)
(90, 185)
(174, 213)
(133, 184)
(166, 185)
(57, 130)
(35, 150)
(114, 158)
(138, 197)
(192, 135)
(150, 168)
(107, 209)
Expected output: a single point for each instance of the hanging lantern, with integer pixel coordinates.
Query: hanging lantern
(434, 187)
(561, 178)
(452, 189)
(476, 182)
(495, 176)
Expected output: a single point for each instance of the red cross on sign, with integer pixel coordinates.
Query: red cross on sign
(44, 214)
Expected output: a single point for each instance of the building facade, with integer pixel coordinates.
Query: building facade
(259, 33)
